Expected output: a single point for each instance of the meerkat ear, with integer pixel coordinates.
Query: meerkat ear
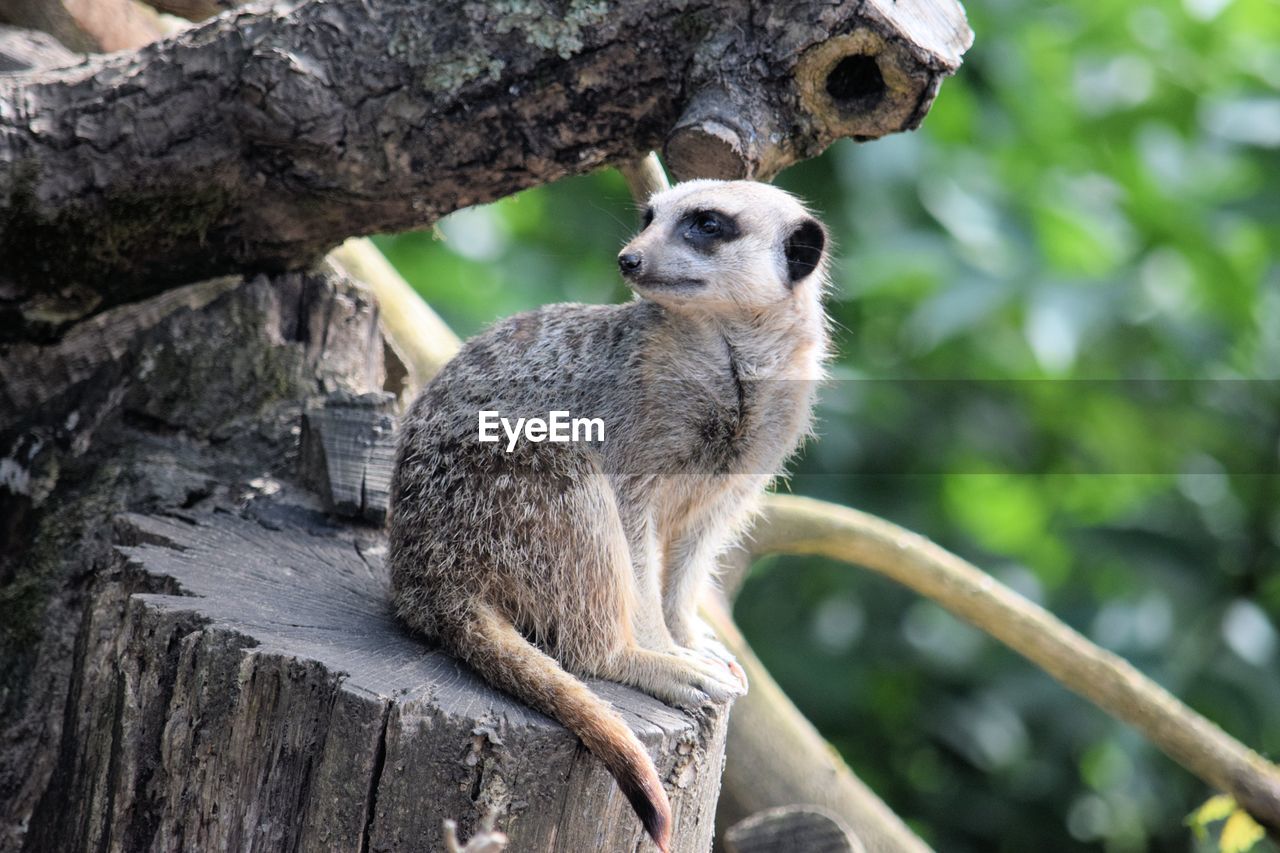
(803, 249)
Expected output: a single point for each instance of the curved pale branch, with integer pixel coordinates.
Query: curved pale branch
(795, 525)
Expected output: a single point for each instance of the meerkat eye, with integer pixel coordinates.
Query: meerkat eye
(648, 218)
(707, 224)
(707, 229)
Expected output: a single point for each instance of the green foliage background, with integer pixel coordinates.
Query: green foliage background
(1094, 198)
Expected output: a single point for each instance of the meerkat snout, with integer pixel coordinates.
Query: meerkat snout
(630, 262)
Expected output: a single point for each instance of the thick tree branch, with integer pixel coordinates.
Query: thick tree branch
(261, 139)
(795, 525)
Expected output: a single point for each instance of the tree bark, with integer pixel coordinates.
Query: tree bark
(170, 405)
(261, 139)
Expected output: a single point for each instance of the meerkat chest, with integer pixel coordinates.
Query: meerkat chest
(732, 413)
(730, 439)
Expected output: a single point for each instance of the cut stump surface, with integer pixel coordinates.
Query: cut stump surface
(272, 702)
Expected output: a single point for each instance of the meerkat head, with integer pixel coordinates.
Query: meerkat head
(726, 244)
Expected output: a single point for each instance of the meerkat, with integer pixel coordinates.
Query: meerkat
(540, 563)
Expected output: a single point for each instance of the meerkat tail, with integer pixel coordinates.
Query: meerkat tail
(494, 648)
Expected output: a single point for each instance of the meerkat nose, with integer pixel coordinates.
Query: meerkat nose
(629, 262)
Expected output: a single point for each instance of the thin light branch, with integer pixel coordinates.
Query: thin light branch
(644, 177)
(796, 525)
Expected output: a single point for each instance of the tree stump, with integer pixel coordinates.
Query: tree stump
(234, 677)
(291, 711)
(349, 453)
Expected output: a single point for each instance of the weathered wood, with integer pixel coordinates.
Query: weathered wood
(260, 139)
(196, 655)
(185, 401)
(486, 840)
(790, 828)
(418, 341)
(349, 453)
(297, 713)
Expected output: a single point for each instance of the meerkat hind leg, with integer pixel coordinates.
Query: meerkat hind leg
(576, 581)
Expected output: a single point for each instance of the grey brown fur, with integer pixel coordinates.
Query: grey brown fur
(559, 561)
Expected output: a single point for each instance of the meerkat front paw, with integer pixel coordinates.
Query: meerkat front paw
(683, 678)
(697, 680)
(696, 636)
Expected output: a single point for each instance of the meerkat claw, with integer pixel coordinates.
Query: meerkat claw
(714, 650)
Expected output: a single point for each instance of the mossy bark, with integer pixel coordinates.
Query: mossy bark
(261, 139)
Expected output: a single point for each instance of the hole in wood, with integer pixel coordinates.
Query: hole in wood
(855, 83)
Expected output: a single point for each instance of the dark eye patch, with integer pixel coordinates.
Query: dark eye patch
(647, 220)
(705, 228)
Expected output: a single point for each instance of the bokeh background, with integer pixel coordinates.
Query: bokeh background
(1057, 312)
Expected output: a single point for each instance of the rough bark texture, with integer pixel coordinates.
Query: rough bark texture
(187, 400)
(216, 650)
(349, 452)
(282, 708)
(264, 137)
